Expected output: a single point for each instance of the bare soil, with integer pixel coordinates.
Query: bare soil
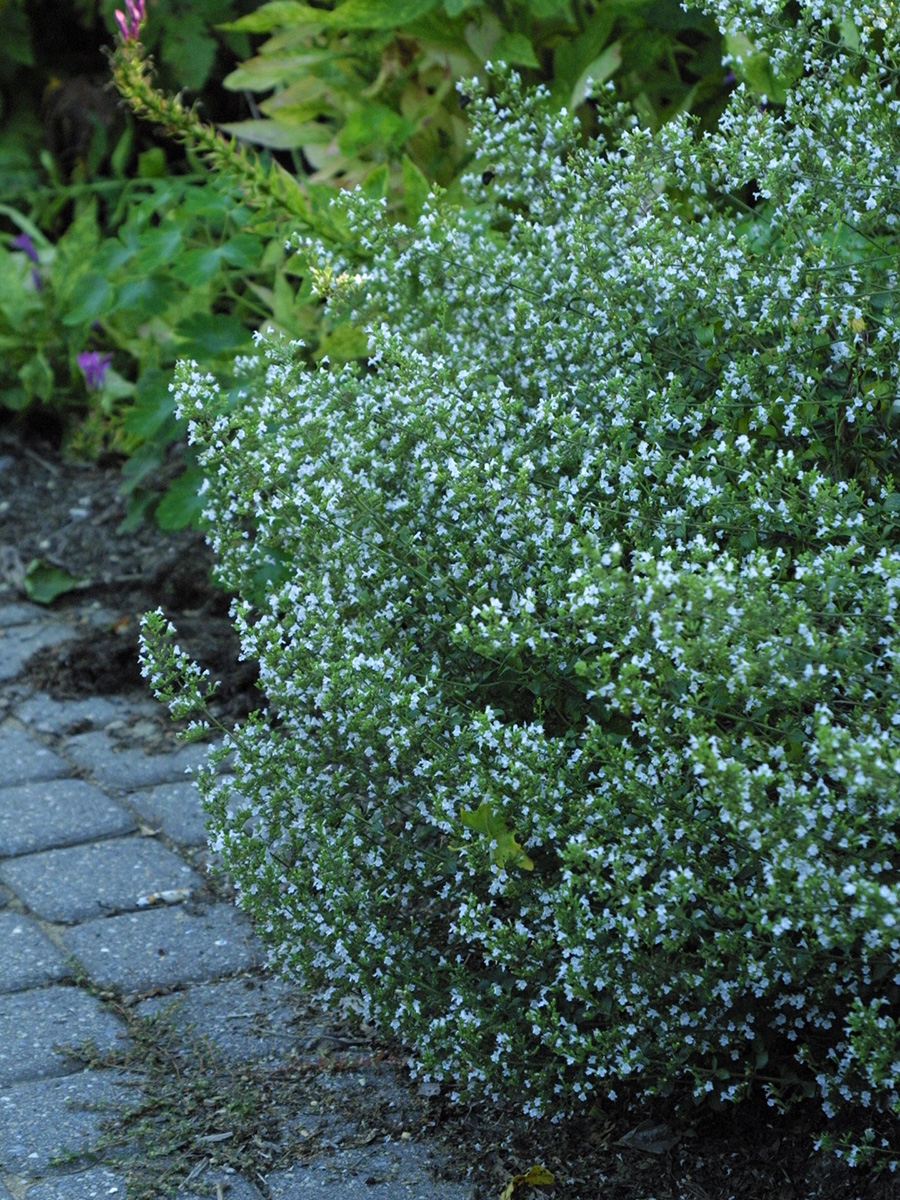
(68, 514)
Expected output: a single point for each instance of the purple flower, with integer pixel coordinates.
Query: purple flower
(24, 242)
(95, 365)
(129, 21)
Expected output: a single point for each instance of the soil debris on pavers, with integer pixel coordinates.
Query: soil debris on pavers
(19, 643)
(399, 1171)
(161, 947)
(48, 1123)
(25, 759)
(124, 769)
(245, 1018)
(44, 714)
(36, 1024)
(28, 959)
(97, 878)
(57, 812)
(92, 1184)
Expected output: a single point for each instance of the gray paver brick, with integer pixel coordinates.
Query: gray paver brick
(4, 1194)
(23, 759)
(28, 959)
(131, 768)
(84, 1185)
(175, 808)
(57, 812)
(162, 947)
(243, 1018)
(235, 1187)
(46, 715)
(399, 1171)
(39, 1120)
(20, 614)
(19, 642)
(33, 1023)
(95, 879)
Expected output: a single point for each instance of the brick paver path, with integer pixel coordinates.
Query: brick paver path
(89, 832)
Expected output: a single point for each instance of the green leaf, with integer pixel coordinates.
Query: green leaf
(152, 163)
(153, 407)
(280, 14)
(453, 8)
(207, 335)
(506, 849)
(546, 8)
(376, 124)
(159, 248)
(416, 188)
(597, 71)
(277, 136)
(43, 582)
(515, 48)
(375, 184)
(93, 297)
(381, 14)
(344, 344)
(182, 503)
(196, 267)
(37, 378)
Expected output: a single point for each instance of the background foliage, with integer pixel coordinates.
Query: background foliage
(360, 91)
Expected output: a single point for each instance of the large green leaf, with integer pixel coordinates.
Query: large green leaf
(93, 298)
(381, 14)
(281, 14)
(278, 136)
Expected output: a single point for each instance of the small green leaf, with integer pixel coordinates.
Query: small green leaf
(37, 378)
(182, 504)
(515, 48)
(43, 582)
(416, 188)
(506, 849)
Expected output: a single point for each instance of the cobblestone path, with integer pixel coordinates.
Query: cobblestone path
(107, 913)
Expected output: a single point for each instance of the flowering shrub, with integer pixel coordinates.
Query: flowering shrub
(580, 766)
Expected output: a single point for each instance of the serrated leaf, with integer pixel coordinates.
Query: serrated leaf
(43, 582)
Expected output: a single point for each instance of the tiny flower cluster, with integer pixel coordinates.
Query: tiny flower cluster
(576, 607)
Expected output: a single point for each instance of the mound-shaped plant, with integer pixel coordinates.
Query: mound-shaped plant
(580, 766)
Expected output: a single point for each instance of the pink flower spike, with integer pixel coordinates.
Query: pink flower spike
(136, 13)
(123, 27)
